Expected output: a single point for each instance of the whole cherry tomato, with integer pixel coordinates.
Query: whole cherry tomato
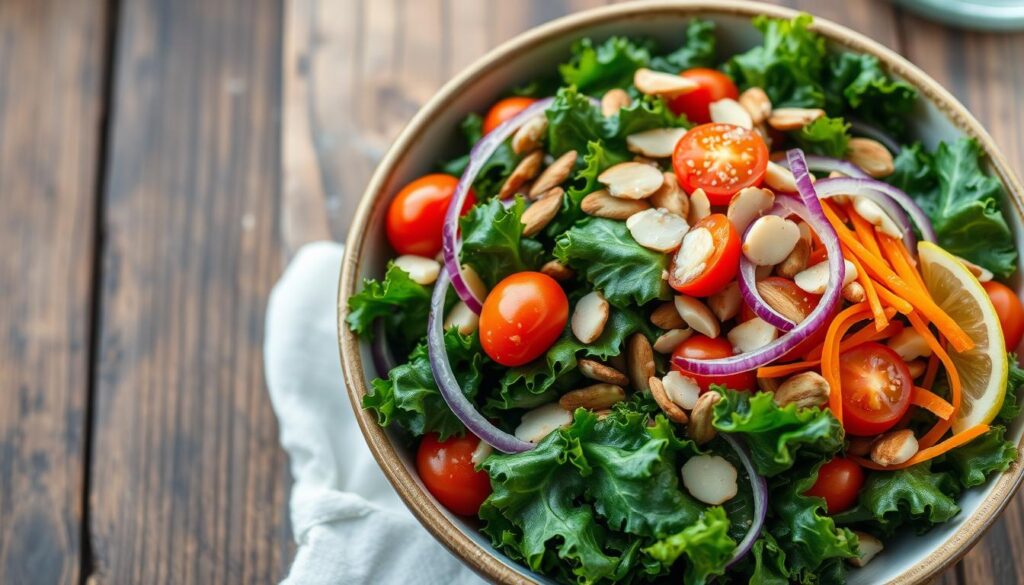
(839, 482)
(713, 86)
(522, 317)
(708, 258)
(416, 214)
(701, 347)
(503, 110)
(721, 159)
(876, 389)
(1011, 314)
(449, 472)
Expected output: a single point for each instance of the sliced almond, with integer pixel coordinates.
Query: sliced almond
(554, 175)
(656, 143)
(541, 422)
(601, 204)
(729, 111)
(483, 451)
(540, 213)
(665, 316)
(530, 134)
(525, 171)
(662, 84)
(614, 100)
(980, 272)
(867, 548)
(473, 281)
(872, 156)
(752, 335)
(797, 259)
(420, 269)
(631, 180)
(769, 240)
(557, 270)
(917, 368)
(693, 254)
(755, 101)
(681, 389)
(657, 229)
(761, 130)
(671, 409)
(462, 318)
(596, 397)
(700, 206)
(670, 196)
(874, 214)
(668, 341)
(640, 360)
(602, 373)
(589, 317)
(779, 178)
(815, 278)
(780, 300)
(805, 390)
(710, 479)
(786, 119)
(726, 303)
(747, 205)
(909, 344)
(854, 292)
(698, 316)
(702, 428)
(647, 161)
(894, 448)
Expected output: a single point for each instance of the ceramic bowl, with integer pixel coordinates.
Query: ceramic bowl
(432, 134)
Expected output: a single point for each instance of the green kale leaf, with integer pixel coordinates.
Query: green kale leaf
(596, 69)
(990, 453)
(402, 302)
(493, 242)
(697, 51)
(858, 87)
(705, 543)
(825, 136)
(915, 496)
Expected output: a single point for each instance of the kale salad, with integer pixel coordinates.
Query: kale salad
(678, 316)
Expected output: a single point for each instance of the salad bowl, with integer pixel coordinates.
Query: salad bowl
(429, 137)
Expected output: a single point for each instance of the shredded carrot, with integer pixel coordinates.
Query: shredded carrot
(830, 353)
(865, 231)
(890, 298)
(955, 387)
(931, 372)
(896, 254)
(859, 337)
(927, 453)
(783, 370)
(922, 302)
(912, 264)
(869, 291)
(931, 402)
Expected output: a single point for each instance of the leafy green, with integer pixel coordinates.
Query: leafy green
(825, 136)
(857, 85)
(573, 122)
(913, 173)
(409, 397)
(803, 529)
(591, 488)
(597, 159)
(705, 543)
(697, 51)
(972, 463)
(399, 300)
(1014, 381)
(607, 255)
(788, 65)
(493, 242)
(596, 69)
(769, 562)
(777, 436)
(915, 496)
(646, 113)
(497, 168)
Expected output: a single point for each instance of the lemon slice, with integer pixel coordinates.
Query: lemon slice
(984, 368)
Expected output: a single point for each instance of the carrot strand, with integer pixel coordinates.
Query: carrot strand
(783, 370)
(931, 402)
(932, 371)
(869, 291)
(865, 231)
(955, 387)
(830, 354)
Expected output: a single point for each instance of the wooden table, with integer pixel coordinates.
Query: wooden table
(159, 162)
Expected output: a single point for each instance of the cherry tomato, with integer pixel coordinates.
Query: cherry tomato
(522, 317)
(448, 471)
(701, 347)
(876, 389)
(839, 482)
(417, 213)
(503, 110)
(714, 85)
(1010, 312)
(721, 159)
(719, 268)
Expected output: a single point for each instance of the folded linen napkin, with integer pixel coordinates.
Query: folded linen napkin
(349, 524)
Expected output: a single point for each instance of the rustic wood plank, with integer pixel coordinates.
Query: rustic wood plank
(189, 483)
(51, 105)
(982, 70)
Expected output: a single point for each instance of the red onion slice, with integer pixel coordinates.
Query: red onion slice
(760, 491)
(827, 164)
(478, 157)
(811, 213)
(868, 187)
(448, 384)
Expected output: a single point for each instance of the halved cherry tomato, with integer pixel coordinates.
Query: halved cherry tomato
(721, 159)
(1010, 311)
(522, 317)
(721, 265)
(839, 482)
(876, 389)
(503, 110)
(417, 214)
(448, 471)
(714, 85)
(701, 347)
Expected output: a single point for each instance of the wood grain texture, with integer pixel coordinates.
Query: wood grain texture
(189, 484)
(51, 92)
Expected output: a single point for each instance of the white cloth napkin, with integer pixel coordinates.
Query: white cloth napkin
(349, 523)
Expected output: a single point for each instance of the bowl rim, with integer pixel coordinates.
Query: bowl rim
(433, 518)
